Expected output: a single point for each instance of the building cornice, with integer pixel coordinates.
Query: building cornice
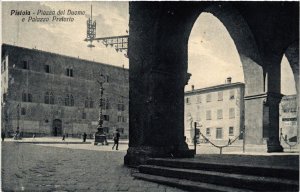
(215, 88)
(60, 55)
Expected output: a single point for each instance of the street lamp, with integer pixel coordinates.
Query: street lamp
(100, 137)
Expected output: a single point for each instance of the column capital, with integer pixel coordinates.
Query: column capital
(273, 98)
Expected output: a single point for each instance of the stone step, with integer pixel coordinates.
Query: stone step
(187, 184)
(255, 170)
(258, 183)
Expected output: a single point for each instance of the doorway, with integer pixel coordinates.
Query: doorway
(57, 127)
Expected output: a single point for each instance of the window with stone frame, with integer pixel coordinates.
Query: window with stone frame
(71, 100)
(69, 72)
(121, 118)
(208, 97)
(29, 97)
(49, 98)
(67, 100)
(25, 64)
(220, 114)
(219, 133)
(220, 96)
(86, 102)
(121, 106)
(24, 97)
(208, 115)
(47, 68)
(231, 113)
(91, 103)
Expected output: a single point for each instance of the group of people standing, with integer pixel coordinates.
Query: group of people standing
(116, 138)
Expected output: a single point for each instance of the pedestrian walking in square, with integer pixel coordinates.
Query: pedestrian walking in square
(84, 136)
(116, 139)
(64, 136)
(3, 135)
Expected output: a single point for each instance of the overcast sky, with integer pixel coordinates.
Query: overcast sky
(212, 54)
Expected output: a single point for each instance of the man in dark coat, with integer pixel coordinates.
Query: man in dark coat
(116, 139)
(84, 136)
(3, 135)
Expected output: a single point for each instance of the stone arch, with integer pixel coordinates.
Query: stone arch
(174, 28)
(292, 54)
(158, 48)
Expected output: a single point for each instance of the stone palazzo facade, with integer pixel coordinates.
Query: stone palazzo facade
(48, 94)
(218, 111)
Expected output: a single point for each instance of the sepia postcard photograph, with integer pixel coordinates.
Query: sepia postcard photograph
(149, 96)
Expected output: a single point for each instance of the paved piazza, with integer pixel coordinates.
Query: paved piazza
(33, 167)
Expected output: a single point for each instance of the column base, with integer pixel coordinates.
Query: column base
(274, 147)
(139, 155)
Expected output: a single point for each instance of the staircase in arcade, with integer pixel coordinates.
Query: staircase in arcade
(205, 175)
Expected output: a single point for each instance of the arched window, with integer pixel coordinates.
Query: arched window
(24, 97)
(46, 98)
(91, 103)
(121, 106)
(86, 103)
(71, 100)
(29, 97)
(51, 98)
(107, 103)
(67, 98)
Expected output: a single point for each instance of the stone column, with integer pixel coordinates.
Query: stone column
(273, 99)
(157, 77)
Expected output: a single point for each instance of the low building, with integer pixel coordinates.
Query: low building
(288, 118)
(218, 111)
(50, 94)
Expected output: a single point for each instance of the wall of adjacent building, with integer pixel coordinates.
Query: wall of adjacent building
(288, 115)
(196, 111)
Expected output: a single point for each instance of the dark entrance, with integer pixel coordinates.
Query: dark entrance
(57, 127)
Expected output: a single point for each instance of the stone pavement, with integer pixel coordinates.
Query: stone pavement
(202, 148)
(34, 167)
(85, 167)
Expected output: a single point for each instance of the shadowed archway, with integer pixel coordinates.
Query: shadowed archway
(159, 33)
